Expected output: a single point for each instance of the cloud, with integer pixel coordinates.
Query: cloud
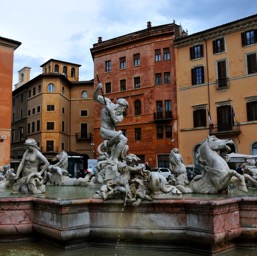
(66, 30)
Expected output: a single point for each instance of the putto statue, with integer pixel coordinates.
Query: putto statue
(29, 177)
(57, 171)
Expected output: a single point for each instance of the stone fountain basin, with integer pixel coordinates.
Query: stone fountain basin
(69, 217)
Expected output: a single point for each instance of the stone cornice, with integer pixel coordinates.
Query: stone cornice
(9, 43)
(219, 31)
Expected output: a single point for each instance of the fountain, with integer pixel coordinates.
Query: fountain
(125, 204)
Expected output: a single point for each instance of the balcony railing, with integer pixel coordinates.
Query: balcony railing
(224, 130)
(163, 116)
(83, 136)
(222, 83)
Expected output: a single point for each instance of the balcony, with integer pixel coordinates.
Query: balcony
(222, 83)
(163, 116)
(225, 130)
(83, 137)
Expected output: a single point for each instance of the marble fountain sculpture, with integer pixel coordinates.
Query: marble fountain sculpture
(133, 205)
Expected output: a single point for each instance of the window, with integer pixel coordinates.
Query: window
(218, 45)
(73, 72)
(123, 85)
(108, 66)
(168, 130)
(63, 110)
(222, 74)
(158, 78)
(49, 145)
(21, 113)
(29, 93)
(28, 127)
(63, 90)
(136, 58)
(158, 55)
(21, 133)
(62, 146)
(50, 107)
(33, 111)
(251, 110)
(39, 88)
(21, 97)
(28, 112)
(83, 130)
(196, 52)
(108, 87)
(163, 161)
(251, 63)
(56, 68)
(159, 109)
(197, 75)
(137, 107)
(166, 53)
(62, 126)
(124, 132)
(254, 148)
(65, 72)
(38, 125)
(33, 127)
(84, 94)
(50, 125)
(137, 82)
(249, 37)
(224, 116)
(138, 135)
(38, 109)
(168, 111)
(199, 116)
(159, 130)
(122, 62)
(83, 112)
(167, 78)
(51, 87)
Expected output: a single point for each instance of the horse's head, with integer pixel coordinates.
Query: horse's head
(216, 144)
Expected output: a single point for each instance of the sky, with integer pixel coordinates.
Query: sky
(66, 30)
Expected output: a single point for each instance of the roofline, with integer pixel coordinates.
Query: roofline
(179, 40)
(135, 36)
(61, 62)
(9, 43)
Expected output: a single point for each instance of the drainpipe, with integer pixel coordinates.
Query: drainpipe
(207, 71)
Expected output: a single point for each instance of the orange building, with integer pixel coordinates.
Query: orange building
(217, 72)
(7, 47)
(140, 67)
(55, 109)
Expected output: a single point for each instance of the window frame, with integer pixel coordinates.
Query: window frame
(136, 59)
(197, 78)
(199, 117)
(157, 55)
(196, 52)
(108, 66)
(218, 45)
(138, 134)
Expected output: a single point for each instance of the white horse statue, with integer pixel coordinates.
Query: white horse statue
(217, 175)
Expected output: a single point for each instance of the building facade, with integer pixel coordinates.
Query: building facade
(216, 73)
(140, 67)
(55, 109)
(7, 48)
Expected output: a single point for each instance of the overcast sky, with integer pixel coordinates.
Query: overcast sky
(66, 30)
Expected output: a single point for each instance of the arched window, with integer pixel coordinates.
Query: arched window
(137, 107)
(73, 72)
(56, 68)
(84, 94)
(65, 70)
(254, 148)
(51, 87)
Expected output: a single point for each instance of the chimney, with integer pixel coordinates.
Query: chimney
(99, 39)
(149, 25)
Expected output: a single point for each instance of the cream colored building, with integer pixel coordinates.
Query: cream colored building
(216, 71)
(55, 109)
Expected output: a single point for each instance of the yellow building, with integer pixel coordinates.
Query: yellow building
(55, 109)
(216, 71)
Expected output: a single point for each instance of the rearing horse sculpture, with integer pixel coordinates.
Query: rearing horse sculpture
(216, 175)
